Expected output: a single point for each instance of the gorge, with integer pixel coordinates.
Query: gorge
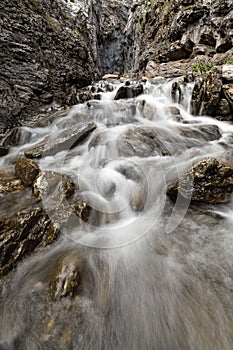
(116, 175)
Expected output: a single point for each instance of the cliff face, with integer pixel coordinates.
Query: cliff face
(50, 48)
(175, 30)
(44, 58)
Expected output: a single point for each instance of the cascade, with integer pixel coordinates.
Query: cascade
(155, 272)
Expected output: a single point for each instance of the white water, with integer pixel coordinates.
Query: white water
(156, 278)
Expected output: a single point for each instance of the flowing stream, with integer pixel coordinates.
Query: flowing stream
(158, 274)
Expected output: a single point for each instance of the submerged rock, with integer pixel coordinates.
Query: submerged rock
(26, 170)
(65, 280)
(209, 181)
(63, 141)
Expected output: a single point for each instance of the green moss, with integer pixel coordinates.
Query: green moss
(200, 67)
(229, 61)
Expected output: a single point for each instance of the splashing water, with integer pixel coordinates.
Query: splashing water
(156, 276)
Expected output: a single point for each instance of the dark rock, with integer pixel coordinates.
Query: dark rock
(176, 92)
(17, 137)
(65, 280)
(26, 170)
(228, 93)
(129, 92)
(63, 141)
(209, 181)
(206, 93)
(223, 109)
(223, 44)
(178, 50)
(21, 234)
(4, 151)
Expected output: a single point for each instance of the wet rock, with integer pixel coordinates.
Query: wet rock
(129, 92)
(17, 137)
(176, 92)
(26, 170)
(174, 114)
(200, 132)
(21, 234)
(82, 208)
(142, 142)
(65, 280)
(9, 182)
(54, 187)
(223, 110)
(63, 141)
(3, 150)
(150, 141)
(228, 93)
(209, 181)
(206, 93)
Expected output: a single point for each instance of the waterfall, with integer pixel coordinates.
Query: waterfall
(156, 273)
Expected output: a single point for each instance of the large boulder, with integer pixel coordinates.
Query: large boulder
(209, 181)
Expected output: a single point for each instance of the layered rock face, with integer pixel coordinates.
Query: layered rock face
(44, 58)
(52, 48)
(170, 31)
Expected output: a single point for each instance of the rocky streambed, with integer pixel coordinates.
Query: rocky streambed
(115, 227)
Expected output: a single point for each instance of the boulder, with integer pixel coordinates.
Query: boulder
(129, 92)
(209, 181)
(144, 141)
(26, 170)
(63, 141)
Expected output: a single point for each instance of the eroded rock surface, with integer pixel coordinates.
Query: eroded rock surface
(209, 181)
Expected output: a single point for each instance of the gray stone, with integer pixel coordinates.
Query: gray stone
(63, 141)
